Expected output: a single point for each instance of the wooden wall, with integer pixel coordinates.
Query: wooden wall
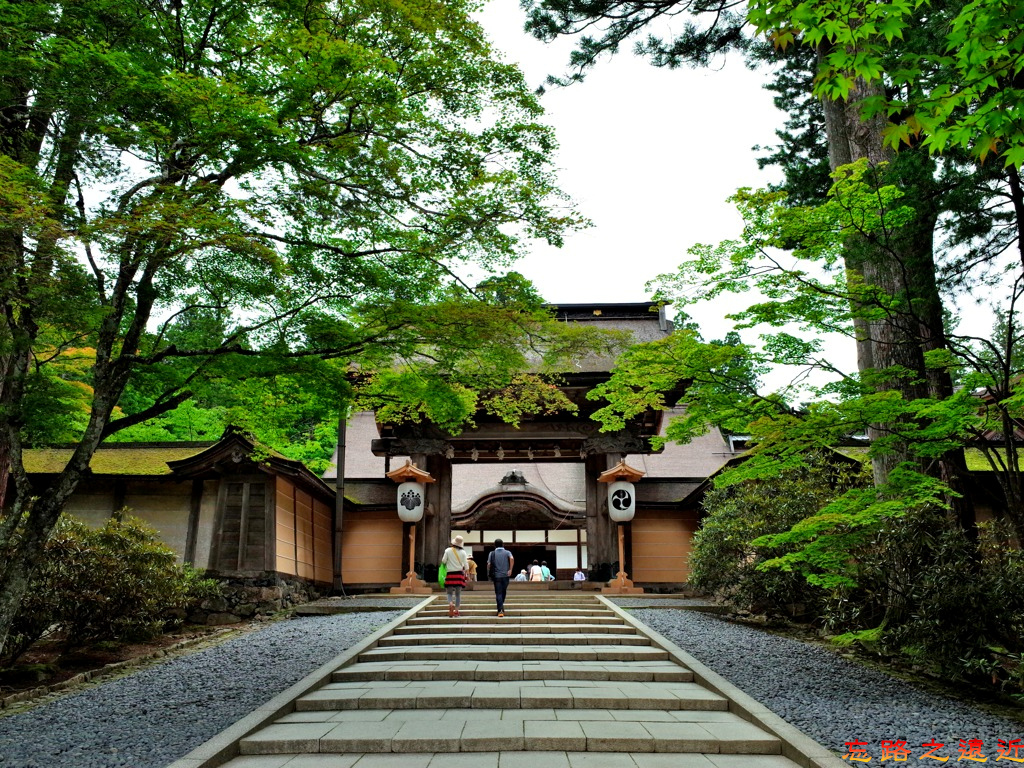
(661, 545)
(302, 534)
(242, 530)
(371, 548)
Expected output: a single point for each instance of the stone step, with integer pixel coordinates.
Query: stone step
(512, 611)
(513, 652)
(484, 596)
(515, 694)
(440, 731)
(520, 759)
(524, 637)
(498, 626)
(478, 597)
(488, 595)
(660, 671)
(478, 593)
(490, 618)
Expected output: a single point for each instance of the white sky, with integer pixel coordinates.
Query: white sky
(649, 155)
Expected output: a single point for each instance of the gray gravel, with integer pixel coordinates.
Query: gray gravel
(160, 713)
(665, 602)
(362, 603)
(829, 698)
(153, 717)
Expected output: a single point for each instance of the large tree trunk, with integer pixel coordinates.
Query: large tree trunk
(901, 266)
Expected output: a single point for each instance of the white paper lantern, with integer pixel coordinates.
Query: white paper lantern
(411, 498)
(621, 501)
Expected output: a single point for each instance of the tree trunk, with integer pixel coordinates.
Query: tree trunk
(900, 266)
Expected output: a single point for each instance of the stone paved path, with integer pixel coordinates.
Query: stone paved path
(562, 680)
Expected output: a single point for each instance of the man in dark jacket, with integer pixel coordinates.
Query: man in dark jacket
(499, 569)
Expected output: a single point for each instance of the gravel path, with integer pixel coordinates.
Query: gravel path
(666, 602)
(829, 698)
(153, 717)
(160, 713)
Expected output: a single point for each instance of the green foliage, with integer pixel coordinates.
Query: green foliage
(925, 77)
(958, 92)
(113, 583)
(821, 546)
(603, 26)
(961, 604)
(730, 550)
(272, 183)
(721, 382)
(888, 563)
(253, 197)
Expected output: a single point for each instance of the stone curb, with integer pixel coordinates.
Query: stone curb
(796, 745)
(106, 669)
(224, 745)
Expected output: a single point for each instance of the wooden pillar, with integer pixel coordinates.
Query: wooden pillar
(425, 526)
(194, 508)
(437, 522)
(338, 513)
(602, 543)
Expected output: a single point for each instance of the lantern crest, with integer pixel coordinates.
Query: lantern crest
(411, 502)
(621, 493)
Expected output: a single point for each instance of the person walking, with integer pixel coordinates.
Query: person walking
(499, 569)
(535, 572)
(455, 560)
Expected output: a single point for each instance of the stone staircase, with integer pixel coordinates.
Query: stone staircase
(561, 673)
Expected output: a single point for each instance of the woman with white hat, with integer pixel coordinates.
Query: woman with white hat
(454, 559)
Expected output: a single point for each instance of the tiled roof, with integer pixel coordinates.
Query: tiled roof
(115, 459)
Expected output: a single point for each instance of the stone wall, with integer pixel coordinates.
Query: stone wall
(245, 598)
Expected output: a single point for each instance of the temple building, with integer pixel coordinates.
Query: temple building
(251, 515)
(534, 486)
(258, 519)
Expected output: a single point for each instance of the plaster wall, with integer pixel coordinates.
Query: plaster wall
(207, 517)
(164, 506)
(94, 507)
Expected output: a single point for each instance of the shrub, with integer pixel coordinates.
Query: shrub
(922, 588)
(965, 606)
(725, 562)
(117, 582)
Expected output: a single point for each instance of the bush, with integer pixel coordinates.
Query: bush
(965, 617)
(922, 590)
(118, 582)
(724, 561)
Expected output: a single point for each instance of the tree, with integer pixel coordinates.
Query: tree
(725, 559)
(225, 190)
(846, 56)
(871, 78)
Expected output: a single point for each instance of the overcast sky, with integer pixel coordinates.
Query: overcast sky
(650, 156)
